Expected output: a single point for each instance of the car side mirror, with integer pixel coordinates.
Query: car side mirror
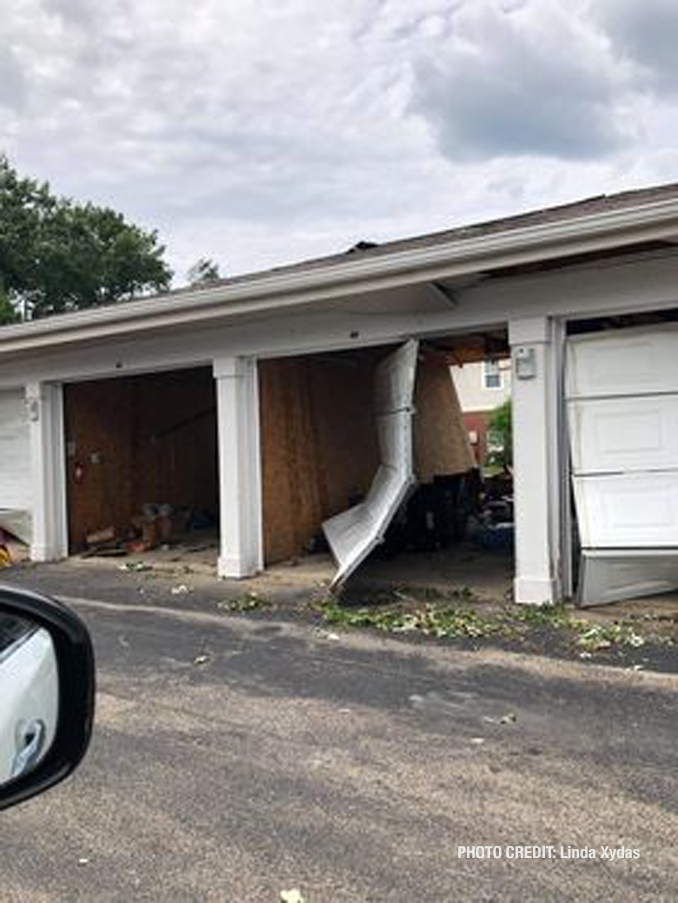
(46, 693)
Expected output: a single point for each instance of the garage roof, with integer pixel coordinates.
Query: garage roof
(574, 210)
(598, 224)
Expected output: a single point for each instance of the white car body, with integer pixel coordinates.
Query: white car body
(29, 700)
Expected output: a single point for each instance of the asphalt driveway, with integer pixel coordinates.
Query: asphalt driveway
(237, 757)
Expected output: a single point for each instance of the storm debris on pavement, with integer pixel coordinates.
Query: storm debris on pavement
(249, 602)
(291, 896)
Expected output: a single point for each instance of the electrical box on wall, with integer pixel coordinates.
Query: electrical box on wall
(525, 362)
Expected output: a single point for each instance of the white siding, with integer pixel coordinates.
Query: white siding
(469, 383)
(15, 466)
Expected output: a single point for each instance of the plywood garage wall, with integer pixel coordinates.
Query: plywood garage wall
(139, 439)
(319, 444)
(175, 439)
(441, 443)
(99, 441)
(153, 439)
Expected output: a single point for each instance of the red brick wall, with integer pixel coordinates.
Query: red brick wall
(476, 421)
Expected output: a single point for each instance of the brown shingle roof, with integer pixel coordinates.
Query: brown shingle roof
(589, 206)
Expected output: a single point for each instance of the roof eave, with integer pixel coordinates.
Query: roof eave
(594, 232)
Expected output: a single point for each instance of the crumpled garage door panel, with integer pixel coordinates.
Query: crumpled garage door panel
(354, 533)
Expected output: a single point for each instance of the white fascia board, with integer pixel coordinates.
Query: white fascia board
(601, 231)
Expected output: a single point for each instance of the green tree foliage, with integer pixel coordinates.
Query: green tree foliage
(203, 270)
(8, 313)
(500, 429)
(57, 255)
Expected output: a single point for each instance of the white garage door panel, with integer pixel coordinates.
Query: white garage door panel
(394, 436)
(624, 363)
(628, 510)
(15, 472)
(15, 468)
(622, 389)
(394, 379)
(624, 434)
(612, 576)
(354, 533)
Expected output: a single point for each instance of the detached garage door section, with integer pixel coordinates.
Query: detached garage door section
(622, 389)
(354, 533)
(15, 467)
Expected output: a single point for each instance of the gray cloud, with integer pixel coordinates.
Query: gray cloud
(12, 82)
(260, 133)
(646, 31)
(508, 86)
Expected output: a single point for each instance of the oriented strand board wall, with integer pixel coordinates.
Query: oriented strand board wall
(318, 441)
(441, 445)
(153, 439)
(319, 445)
(290, 475)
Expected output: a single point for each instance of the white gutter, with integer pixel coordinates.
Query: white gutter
(543, 241)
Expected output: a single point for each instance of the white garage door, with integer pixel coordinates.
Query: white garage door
(622, 391)
(15, 472)
(353, 534)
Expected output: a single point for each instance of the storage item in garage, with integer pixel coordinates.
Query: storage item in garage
(435, 516)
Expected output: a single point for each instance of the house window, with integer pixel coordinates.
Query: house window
(491, 375)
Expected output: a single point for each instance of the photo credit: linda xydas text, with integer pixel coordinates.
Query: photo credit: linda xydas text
(532, 851)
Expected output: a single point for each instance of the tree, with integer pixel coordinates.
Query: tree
(57, 255)
(203, 270)
(8, 313)
(500, 433)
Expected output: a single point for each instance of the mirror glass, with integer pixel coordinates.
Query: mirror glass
(29, 695)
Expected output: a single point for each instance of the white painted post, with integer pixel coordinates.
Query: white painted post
(44, 403)
(241, 541)
(537, 483)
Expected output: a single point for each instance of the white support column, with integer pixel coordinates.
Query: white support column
(537, 481)
(44, 403)
(239, 466)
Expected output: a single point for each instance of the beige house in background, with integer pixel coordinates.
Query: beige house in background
(481, 387)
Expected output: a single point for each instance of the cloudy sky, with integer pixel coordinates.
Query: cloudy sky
(258, 132)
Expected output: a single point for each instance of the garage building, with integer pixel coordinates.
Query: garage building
(312, 399)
